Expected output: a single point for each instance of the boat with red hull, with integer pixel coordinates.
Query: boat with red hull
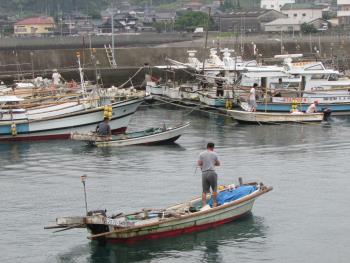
(150, 224)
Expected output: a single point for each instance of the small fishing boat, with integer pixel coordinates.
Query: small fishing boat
(149, 136)
(149, 224)
(274, 118)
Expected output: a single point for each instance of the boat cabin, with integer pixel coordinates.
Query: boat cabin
(10, 108)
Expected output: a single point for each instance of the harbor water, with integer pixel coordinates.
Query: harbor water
(304, 219)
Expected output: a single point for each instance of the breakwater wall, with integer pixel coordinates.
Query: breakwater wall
(40, 61)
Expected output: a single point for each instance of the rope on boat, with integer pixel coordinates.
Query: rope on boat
(130, 79)
(196, 108)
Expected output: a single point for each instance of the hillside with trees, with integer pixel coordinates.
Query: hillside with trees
(22, 8)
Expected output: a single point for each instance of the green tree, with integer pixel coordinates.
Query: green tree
(189, 20)
(307, 28)
(329, 15)
(163, 26)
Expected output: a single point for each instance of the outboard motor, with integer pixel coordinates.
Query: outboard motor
(97, 212)
(326, 113)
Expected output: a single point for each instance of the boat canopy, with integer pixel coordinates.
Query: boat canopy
(266, 74)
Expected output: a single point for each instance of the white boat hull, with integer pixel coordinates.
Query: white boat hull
(170, 135)
(267, 117)
(173, 93)
(154, 90)
(60, 127)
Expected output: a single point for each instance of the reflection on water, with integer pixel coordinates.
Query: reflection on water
(249, 229)
(40, 181)
(13, 152)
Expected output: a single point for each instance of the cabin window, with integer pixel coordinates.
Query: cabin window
(295, 15)
(333, 77)
(293, 85)
(318, 76)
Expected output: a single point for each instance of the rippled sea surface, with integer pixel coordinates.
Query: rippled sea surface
(304, 219)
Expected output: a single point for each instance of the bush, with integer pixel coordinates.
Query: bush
(307, 28)
(192, 19)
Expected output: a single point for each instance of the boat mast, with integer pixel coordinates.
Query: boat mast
(206, 39)
(81, 74)
(112, 28)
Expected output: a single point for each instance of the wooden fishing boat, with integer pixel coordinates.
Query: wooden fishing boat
(11, 109)
(148, 224)
(274, 118)
(61, 126)
(149, 136)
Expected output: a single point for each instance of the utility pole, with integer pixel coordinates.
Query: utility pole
(281, 42)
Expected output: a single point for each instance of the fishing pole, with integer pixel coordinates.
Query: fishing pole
(195, 171)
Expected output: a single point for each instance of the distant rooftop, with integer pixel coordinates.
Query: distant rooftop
(36, 21)
(248, 13)
(301, 6)
(290, 21)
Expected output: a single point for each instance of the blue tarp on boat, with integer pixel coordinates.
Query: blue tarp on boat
(231, 195)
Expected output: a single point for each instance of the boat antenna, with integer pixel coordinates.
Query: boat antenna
(206, 39)
(83, 180)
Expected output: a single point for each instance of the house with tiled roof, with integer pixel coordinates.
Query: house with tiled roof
(35, 26)
(275, 4)
(123, 22)
(252, 20)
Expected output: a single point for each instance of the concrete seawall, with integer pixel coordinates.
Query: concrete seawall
(41, 61)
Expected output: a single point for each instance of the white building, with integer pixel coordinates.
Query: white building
(275, 4)
(343, 13)
(293, 25)
(304, 11)
(289, 24)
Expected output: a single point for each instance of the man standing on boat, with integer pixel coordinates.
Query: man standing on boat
(56, 77)
(103, 129)
(207, 162)
(220, 84)
(252, 98)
